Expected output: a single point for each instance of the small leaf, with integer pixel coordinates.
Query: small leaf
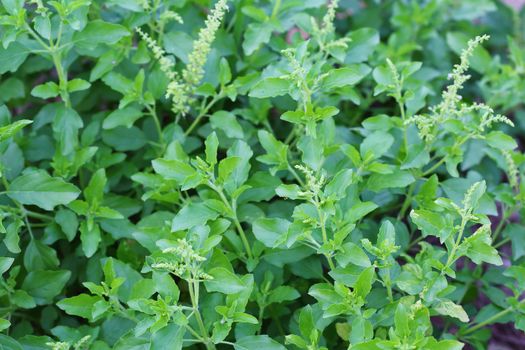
(77, 85)
(350, 75)
(448, 308)
(270, 87)
(224, 281)
(269, 230)
(13, 128)
(500, 140)
(44, 285)
(40, 189)
(47, 90)
(191, 215)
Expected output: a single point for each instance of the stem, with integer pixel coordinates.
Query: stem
(193, 287)
(295, 175)
(388, 285)
(435, 166)
(442, 160)
(322, 222)
(276, 8)
(37, 37)
(406, 203)
(503, 221)
(291, 135)
(158, 126)
(452, 256)
(21, 208)
(502, 242)
(403, 117)
(203, 112)
(62, 78)
(261, 315)
(233, 209)
(490, 319)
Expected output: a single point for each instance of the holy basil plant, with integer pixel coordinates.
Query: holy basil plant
(261, 174)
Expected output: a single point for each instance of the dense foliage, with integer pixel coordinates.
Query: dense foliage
(260, 174)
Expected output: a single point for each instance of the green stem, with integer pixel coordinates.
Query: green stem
(260, 318)
(388, 285)
(158, 126)
(490, 320)
(291, 135)
(203, 112)
(233, 210)
(452, 256)
(403, 118)
(322, 222)
(193, 287)
(21, 208)
(62, 78)
(442, 160)
(406, 203)
(435, 166)
(295, 175)
(506, 213)
(502, 242)
(276, 7)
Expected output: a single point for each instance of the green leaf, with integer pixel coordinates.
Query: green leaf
(80, 305)
(173, 169)
(255, 35)
(66, 125)
(346, 76)
(126, 116)
(40, 189)
(9, 130)
(99, 32)
(44, 285)
(90, 238)
(336, 188)
(397, 179)
(94, 191)
(4, 324)
(432, 224)
(38, 256)
(47, 90)
(480, 59)
(68, 222)
(500, 140)
(224, 281)
(269, 230)
(225, 73)
(259, 342)
(351, 253)
(376, 144)
(362, 44)
(212, 144)
(360, 210)
(8, 343)
(227, 122)
(276, 151)
(226, 167)
(448, 308)
(479, 249)
(77, 85)
(270, 87)
(191, 215)
(5, 264)
(13, 6)
(364, 282)
(12, 57)
(283, 293)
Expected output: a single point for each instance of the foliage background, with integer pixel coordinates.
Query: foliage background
(232, 185)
